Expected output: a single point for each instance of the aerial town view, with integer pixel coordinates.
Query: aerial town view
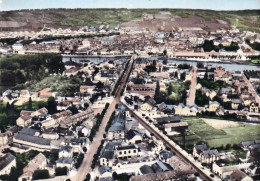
(130, 90)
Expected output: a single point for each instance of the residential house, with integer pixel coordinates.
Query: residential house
(65, 162)
(175, 128)
(7, 162)
(183, 110)
(105, 172)
(230, 173)
(254, 107)
(133, 136)
(117, 129)
(65, 151)
(213, 106)
(126, 151)
(38, 162)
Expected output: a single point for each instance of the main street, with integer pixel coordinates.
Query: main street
(85, 167)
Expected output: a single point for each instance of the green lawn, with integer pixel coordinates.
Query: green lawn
(202, 132)
(255, 61)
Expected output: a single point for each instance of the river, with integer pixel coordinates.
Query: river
(228, 66)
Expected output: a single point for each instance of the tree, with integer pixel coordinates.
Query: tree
(164, 52)
(51, 105)
(30, 104)
(176, 74)
(154, 62)
(86, 105)
(73, 109)
(183, 76)
(157, 92)
(206, 77)
(100, 85)
(88, 177)
(85, 149)
(114, 175)
(59, 171)
(41, 174)
(200, 65)
(170, 89)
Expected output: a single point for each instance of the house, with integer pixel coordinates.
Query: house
(165, 155)
(175, 128)
(133, 136)
(204, 154)
(30, 137)
(235, 103)
(18, 48)
(87, 89)
(117, 129)
(197, 149)
(126, 151)
(25, 118)
(144, 89)
(188, 76)
(105, 172)
(183, 110)
(209, 156)
(254, 107)
(45, 94)
(38, 162)
(65, 162)
(7, 162)
(5, 138)
(65, 151)
(161, 167)
(230, 173)
(213, 106)
(157, 167)
(146, 107)
(107, 155)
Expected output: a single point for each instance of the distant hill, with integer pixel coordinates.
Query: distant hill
(35, 19)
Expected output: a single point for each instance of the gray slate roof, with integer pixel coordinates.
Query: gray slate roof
(6, 160)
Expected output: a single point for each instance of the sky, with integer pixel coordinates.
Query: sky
(189, 4)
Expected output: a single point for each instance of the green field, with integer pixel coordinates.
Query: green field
(199, 131)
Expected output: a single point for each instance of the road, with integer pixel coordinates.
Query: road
(85, 167)
(191, 97)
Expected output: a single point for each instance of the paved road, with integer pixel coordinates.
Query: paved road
(191, 97)
(85, 167)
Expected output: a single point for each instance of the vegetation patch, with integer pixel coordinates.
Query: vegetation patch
(199, 131)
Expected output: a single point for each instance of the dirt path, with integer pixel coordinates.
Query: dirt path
(191, 98)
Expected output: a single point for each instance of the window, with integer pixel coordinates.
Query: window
(134, 151)
(129, 151)
(124, 152)
(120, 153)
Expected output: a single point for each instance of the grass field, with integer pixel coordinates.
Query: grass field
(202, 132)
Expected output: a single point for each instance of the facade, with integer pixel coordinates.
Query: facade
(65, 151)
(7, 162)
(128, 151)
(213, 106)
(204, 154)
(38, 162)
(117, 130)
(230, 173)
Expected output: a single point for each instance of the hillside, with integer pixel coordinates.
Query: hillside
(35, 19)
